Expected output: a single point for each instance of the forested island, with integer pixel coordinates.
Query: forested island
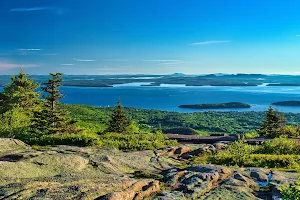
(287, 103)
(217, 105)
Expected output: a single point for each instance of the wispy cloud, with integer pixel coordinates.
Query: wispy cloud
(83, 60)
(49, 54)
(210, 42)
(67, 64)
(116, 59)
(171, 63)
(166, 62)
(55, 10)
(7, 65)
(32, 9)
(161, 60)
(30, 49)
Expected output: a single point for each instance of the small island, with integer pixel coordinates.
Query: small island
(283, 84)
(287, 103)
(217, 105)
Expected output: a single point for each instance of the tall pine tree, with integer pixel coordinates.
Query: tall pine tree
(20, 93)
(51, 119)
(119, 121)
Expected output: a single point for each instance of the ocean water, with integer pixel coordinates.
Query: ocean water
(169, 97)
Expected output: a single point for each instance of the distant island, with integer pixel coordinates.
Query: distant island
(287, 103)
(283, 84)
(217, 105)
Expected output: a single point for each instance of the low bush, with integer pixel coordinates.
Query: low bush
(63, 139)
(290, 191)
(279, 153)
(13, 123)
(257, 160)
(251, 135)
(237, 153)
(280, 146)
(291, 131)
(136, 141)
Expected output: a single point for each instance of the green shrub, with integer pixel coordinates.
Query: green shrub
(237, 153)
(274, 154)
(290, 192)
(291, 131)
(257, 160)
(63, 139)
(14, 123)
(251, 135)
(280, 146)
(136, 141)
(274, 161)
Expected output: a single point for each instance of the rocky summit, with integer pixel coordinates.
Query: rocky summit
(73, 172)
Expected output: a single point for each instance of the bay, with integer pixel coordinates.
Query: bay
(169, 97)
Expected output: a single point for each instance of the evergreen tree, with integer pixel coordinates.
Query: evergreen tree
(273, 125)
(20, 92)
(119, 121)
(51, 87)
(51, 119)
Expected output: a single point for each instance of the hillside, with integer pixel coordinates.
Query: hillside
(203, 123)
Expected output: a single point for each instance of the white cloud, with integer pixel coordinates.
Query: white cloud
(55, 10)
(49, 54)
(83, 60)
(30, 49)
(32, 9)
(67, 64)
(161, 60)
(7, 65)
(210, 42)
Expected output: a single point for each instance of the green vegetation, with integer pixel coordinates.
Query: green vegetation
(274, 126)
(251, 135)
(47, 122)
(119, 122)
(180, 123)
(51, 119)
(279, 153)
(291, 191)
(216, 105)
(20, 92)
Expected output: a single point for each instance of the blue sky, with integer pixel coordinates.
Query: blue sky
(149, 36)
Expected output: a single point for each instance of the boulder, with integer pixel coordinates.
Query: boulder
(152, 188)
(173, 195)
(182, 150)
(220, 145)
(259, 176)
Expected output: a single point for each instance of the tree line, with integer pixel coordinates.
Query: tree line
(33, 113)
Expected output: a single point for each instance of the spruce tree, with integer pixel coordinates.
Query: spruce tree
(20, 92)
(119, 121)
(51, 119)
(51, 88)
(273, 124)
